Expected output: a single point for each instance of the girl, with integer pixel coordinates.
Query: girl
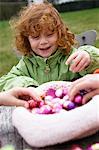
(46, 44)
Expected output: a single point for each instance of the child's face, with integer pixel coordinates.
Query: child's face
(44, 44)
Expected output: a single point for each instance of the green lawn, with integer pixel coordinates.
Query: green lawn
(78, 21)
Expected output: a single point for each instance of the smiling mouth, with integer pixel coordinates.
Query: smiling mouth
(43, 49)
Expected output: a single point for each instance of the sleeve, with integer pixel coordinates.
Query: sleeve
(94, 55)
(19, 76)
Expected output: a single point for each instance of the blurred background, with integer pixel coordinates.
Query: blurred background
(79, 15)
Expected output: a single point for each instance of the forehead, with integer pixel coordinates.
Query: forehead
(45, 23)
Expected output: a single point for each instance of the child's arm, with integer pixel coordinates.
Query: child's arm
(19, 76)
(84, 60)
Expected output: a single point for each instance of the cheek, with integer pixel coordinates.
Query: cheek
(33, 43)
(54, 41)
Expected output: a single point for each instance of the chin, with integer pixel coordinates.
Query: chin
(45, 56)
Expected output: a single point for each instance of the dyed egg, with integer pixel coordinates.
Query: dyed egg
(32, 104)
(66, 97)
(76, 147)
(46, 109)
(48, 98)
(51, 92)
(36, 111)
(41, 103)
(68, 105)
(57, 108)
(56, 100)
(78, 99)
(59, 93)
(94, 147)
(65, 91)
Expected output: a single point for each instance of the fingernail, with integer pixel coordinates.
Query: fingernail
(26, 105)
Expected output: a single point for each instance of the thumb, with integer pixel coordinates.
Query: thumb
(17, 102)
(22, 103)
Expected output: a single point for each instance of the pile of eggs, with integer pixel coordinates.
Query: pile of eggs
(55, 100)
(91, 147)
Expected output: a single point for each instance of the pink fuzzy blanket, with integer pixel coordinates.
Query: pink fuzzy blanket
(44, 130)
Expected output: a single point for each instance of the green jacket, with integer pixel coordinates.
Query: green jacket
(35, 70)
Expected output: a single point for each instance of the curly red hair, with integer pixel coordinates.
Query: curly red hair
(30, 22)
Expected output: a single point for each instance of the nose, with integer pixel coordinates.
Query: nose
(43, 40)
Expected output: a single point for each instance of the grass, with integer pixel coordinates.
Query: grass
(78, 21)
(7, 56)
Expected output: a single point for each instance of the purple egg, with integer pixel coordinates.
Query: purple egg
(68, 105)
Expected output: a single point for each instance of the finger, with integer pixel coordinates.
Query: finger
(22, 103)
(16, 102)
(75, 89)
(76, 64)
(34, 94)
(69, 60)
(89, 95)
(83, 67)
(31, 92)
(82, 79)
(80, 66)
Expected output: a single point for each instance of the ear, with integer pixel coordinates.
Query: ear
(44, 130)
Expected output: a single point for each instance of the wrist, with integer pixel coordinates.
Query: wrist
(1, 98)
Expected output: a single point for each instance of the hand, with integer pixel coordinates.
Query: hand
(89, 83)
(18, 96)
(78, 61)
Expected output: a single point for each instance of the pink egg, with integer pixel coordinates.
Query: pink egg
(41, 103)
(66, 97)
(56, 108)
(46, 109)
(51, 92)
(76, 147)
(32, 104)
(56, 100)
(35, 111)
(61, 102)
(65, 91)
(49, 103)
(78, 99)
(59, 93)
(48, 98)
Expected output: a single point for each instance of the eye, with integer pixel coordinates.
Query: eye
(49, 34)
(35, 37)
